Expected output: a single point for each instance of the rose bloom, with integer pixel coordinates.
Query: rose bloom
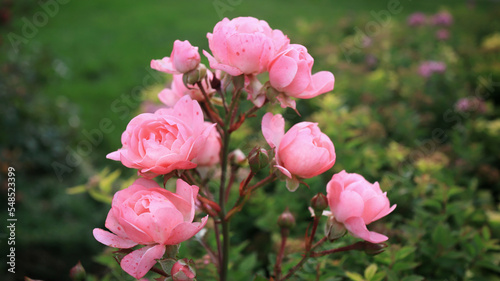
(442, 18)
(427, 68)
(244, 45)
(184, 58)
(170, 96)
(209, 154)
(303, 152)
(290, 73)
(416, 19)
(356, 203)
(146, 214)
(158, 143)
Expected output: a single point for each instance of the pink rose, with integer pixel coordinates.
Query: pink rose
(158, 143)
(170, 96)
(290, 73)
(303, 152)
(209, 154)
(146, 214)
(244, 45)
(184, 58)
(417, 19)
(427, 68)
(356, 203)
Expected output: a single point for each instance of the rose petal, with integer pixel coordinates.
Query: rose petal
(140, 261)
(112, 240)
(357, 228)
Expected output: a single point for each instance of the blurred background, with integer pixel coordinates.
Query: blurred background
(415, 107)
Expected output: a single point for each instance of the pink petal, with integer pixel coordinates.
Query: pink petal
(357, 228)
(115, 155)
(282, 72)
(184, 231)
(140, 261)
(112, 240)
(233, 71)
(321, 83)
(384, 213)
(350, 205)
(273, 128)
(164, 65)
(284, 171)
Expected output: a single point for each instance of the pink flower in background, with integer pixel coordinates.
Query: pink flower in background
(471, 104)
(427, 68)
(442, 18)
(303, 152)
(158, 143)
(170, 96)
(417, 19)
(290, 73)
(442, 34)
(209, 153)
(356, 203)
(184, 58)
(146, 214)
(244, 45)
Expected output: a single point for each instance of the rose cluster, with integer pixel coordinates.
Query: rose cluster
(177, 138)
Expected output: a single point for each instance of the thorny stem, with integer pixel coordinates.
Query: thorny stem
(279, 257)
(222, 201)
(309, 249)
(356, 246)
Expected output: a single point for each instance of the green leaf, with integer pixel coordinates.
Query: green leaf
(441, 236)
(167, 264)
(404, 252)
(370, 271)
(354, 276)
(401, 266)
(100, 197)
(107, 182)
(413, 278)
(76, 189)
(486, 233)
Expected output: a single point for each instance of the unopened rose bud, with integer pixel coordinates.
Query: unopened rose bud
(77, 272)
(334, 229)
(319, 202)
(195, 75)
(374, 248)
(183, 270)
(286, 220)
(237, 156)
(258, 159)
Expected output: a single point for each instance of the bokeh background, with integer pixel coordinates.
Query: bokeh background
(415, 107)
